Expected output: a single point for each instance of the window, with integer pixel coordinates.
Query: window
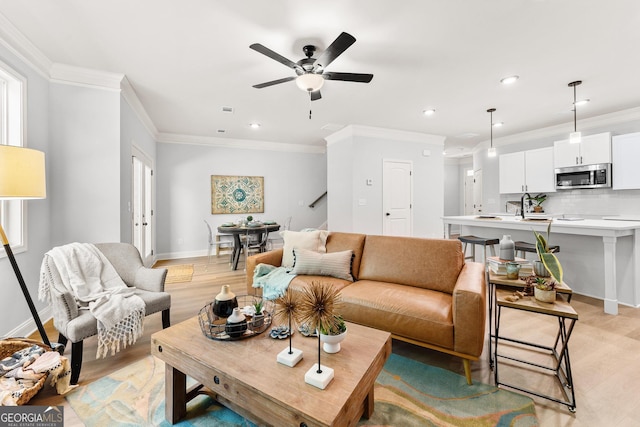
(13, 88)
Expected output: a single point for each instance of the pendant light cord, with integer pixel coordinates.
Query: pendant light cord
(575, 111)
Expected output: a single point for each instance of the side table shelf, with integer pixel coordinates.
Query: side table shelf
(559, 352)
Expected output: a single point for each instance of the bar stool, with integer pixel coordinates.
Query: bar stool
(482, 241)
(522, 247)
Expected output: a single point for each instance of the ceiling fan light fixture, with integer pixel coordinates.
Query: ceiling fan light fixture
(310, 82)
(429, 112)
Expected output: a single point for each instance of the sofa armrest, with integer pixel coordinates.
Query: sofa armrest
(470, 309)
(150, 279)
(64, 309)
(272, 258)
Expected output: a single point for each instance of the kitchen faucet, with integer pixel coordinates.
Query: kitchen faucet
(522, 203)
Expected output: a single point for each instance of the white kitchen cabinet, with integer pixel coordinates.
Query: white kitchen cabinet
(527, 171)
(625, 154)
(593, 149)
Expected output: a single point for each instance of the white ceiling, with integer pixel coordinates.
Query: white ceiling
(187, 59)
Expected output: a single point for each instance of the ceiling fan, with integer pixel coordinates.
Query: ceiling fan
(310, 71)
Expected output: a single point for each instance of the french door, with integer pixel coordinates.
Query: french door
(142, 205)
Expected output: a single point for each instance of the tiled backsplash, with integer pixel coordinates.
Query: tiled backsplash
(593, 203)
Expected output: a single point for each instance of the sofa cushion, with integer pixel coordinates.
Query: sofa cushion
(335, 264)
(426, 263)
(420, 314)
(312, 240)
(337, 242)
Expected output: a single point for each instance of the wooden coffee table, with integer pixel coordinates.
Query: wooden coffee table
(245, 376)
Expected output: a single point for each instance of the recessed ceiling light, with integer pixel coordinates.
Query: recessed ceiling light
(255, 125)
(581, 102)
(429, 112)
(498, 124)
(509, 79)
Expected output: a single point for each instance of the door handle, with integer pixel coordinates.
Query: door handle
(388, 214)
(145, 223)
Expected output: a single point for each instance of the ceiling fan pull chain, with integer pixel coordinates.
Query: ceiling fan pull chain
(309, 105)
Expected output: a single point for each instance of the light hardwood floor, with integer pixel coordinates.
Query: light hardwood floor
(604, 352)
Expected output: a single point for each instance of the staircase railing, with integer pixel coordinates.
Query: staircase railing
(313, 204)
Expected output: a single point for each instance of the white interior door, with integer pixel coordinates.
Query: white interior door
(142, 206)
(397, 198)
(477, 191)
(468, 192)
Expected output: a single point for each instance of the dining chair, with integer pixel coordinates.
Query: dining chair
(257, 245)
(277, 237)
(213, 242)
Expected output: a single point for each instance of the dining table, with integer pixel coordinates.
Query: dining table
(237, 231)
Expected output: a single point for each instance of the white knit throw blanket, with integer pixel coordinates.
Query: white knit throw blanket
(96, 286)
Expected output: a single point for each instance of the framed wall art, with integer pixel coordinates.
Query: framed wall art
(237, 194)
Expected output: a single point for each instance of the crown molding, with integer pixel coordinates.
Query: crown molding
(247, 144)
(351, 131)
(130, 96)
(22, 47)
(69, 74)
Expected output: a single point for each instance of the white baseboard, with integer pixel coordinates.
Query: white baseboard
(29, 327)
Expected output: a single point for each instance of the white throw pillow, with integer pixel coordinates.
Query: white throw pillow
(334, 264)
(310, 240)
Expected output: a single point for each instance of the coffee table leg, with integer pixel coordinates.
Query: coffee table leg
(369, 402)
(175, 394)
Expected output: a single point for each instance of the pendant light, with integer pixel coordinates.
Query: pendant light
(492, 151)
(575, 137)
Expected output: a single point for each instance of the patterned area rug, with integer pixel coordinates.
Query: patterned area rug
(179, 273)
(407, 393)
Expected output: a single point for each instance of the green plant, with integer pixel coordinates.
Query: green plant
(257, 304)
(339, 327)
(538, 199)
(544, 284)
(250, 218)
(547, 257)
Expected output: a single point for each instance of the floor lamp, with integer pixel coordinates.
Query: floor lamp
(22, 177)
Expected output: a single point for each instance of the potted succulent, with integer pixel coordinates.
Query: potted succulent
(332, 337)
(258, 318)
(548, 264)
(544, 289)
(537, 201)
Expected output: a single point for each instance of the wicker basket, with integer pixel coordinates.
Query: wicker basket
(9, 346)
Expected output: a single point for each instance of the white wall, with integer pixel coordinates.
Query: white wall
(356, 153)
(183, 186)
(85, 164)
(15, 319)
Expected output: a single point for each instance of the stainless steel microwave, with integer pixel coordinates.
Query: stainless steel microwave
(587, 176)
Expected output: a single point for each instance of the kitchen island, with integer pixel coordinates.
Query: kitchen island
(601, 258)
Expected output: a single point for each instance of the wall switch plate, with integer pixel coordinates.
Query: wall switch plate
(369, 181)
(362, 202)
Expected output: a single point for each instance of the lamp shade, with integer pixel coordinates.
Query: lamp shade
(310, 82)
(22, 173)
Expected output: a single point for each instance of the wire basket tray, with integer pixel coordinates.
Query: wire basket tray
(214, 327)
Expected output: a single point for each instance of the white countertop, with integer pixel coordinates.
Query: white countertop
(593, 227)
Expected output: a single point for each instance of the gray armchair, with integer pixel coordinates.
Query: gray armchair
(75, 325)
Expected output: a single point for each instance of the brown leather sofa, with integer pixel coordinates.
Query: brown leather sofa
(419, 290)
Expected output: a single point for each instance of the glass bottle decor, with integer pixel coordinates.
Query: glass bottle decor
(225, 302)
(507, 248)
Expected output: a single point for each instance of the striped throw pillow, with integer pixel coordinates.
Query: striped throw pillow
(334, 264)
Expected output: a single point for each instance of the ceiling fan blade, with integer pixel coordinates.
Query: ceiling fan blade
(348, 77)
(276, 56)
(315, 95)
(274, 82)
(339, 45)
